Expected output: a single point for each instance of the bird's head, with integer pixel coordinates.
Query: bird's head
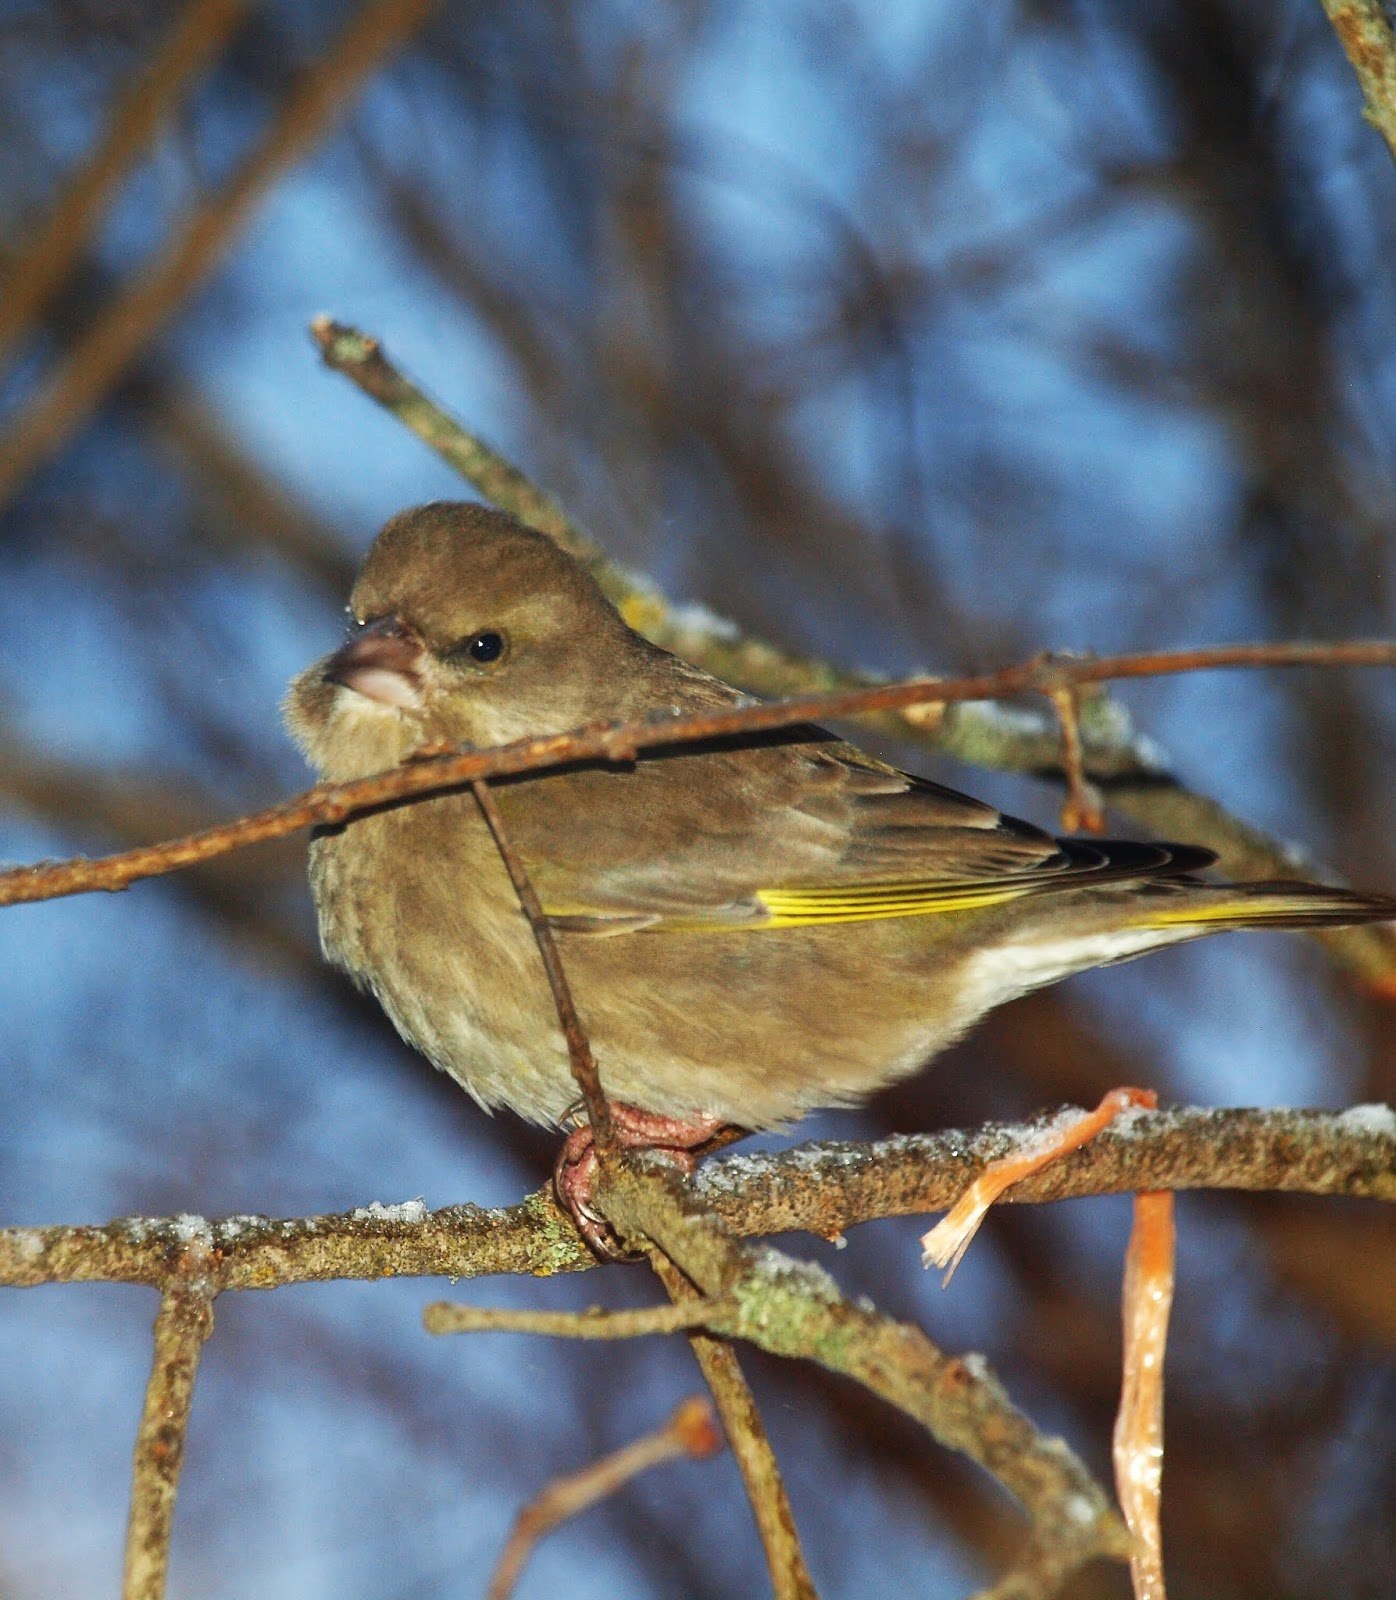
(466, 626)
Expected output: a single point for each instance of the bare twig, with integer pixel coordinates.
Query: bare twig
(360, 357)
(1364, 30)
(579, 1054)
(751, 1447)
(184, 1322)
(159, 288)
(623, 741)
(44, 262)
(1081, 809)
(822, 1189)
(447, 1316)
(689, 1432)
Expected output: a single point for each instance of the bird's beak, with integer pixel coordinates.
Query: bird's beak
(380, 662)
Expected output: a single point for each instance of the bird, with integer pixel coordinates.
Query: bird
(752, 927)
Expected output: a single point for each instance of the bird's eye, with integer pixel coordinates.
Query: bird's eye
(485, 647)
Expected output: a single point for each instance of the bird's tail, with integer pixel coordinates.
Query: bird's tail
(1277, 904)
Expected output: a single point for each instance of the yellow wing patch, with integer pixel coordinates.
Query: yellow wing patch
(798, 908)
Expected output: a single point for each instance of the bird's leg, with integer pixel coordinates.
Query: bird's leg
(680, 1140)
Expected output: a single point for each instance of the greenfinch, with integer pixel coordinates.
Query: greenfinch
(751, 927)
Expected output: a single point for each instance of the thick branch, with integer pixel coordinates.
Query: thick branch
(794, 1310)
(816, 1188)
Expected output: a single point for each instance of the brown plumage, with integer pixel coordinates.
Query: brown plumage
(751, 929)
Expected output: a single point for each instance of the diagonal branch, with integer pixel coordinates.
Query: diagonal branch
(751, 1445)
(690, 1432)
(1365, 33)
(794, 1310)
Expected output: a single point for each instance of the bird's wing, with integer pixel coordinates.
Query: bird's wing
(792, 830)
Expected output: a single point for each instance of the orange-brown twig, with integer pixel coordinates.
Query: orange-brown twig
(691, 1432)
(1138, 1442)
(623, 741)
(1081, 809)
(946, 1243)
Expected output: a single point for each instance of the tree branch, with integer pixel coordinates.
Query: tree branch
(622, 742)
(794, 1309)
(813, 1188)
(53, 249)
(184, 1322)
(1364, 31)
(751, 1445)
(579, 1055)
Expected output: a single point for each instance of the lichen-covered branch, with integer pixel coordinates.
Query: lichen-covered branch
(814, 1188)
(794, 1309)
(1365, 33)
(184, 1322)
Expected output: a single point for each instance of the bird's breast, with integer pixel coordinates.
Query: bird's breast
(414, 903)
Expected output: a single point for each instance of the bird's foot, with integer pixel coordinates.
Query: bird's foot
(679, 1140)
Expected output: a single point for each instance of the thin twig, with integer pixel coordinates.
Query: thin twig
(579, 1054)
(446, 1316)
(689, 1432)
(328, 803)
(1081, 809)
(1365, 33)
(184, 1322)
(44, 262)
(360, 356)
(159, 288)
(751, 1446)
